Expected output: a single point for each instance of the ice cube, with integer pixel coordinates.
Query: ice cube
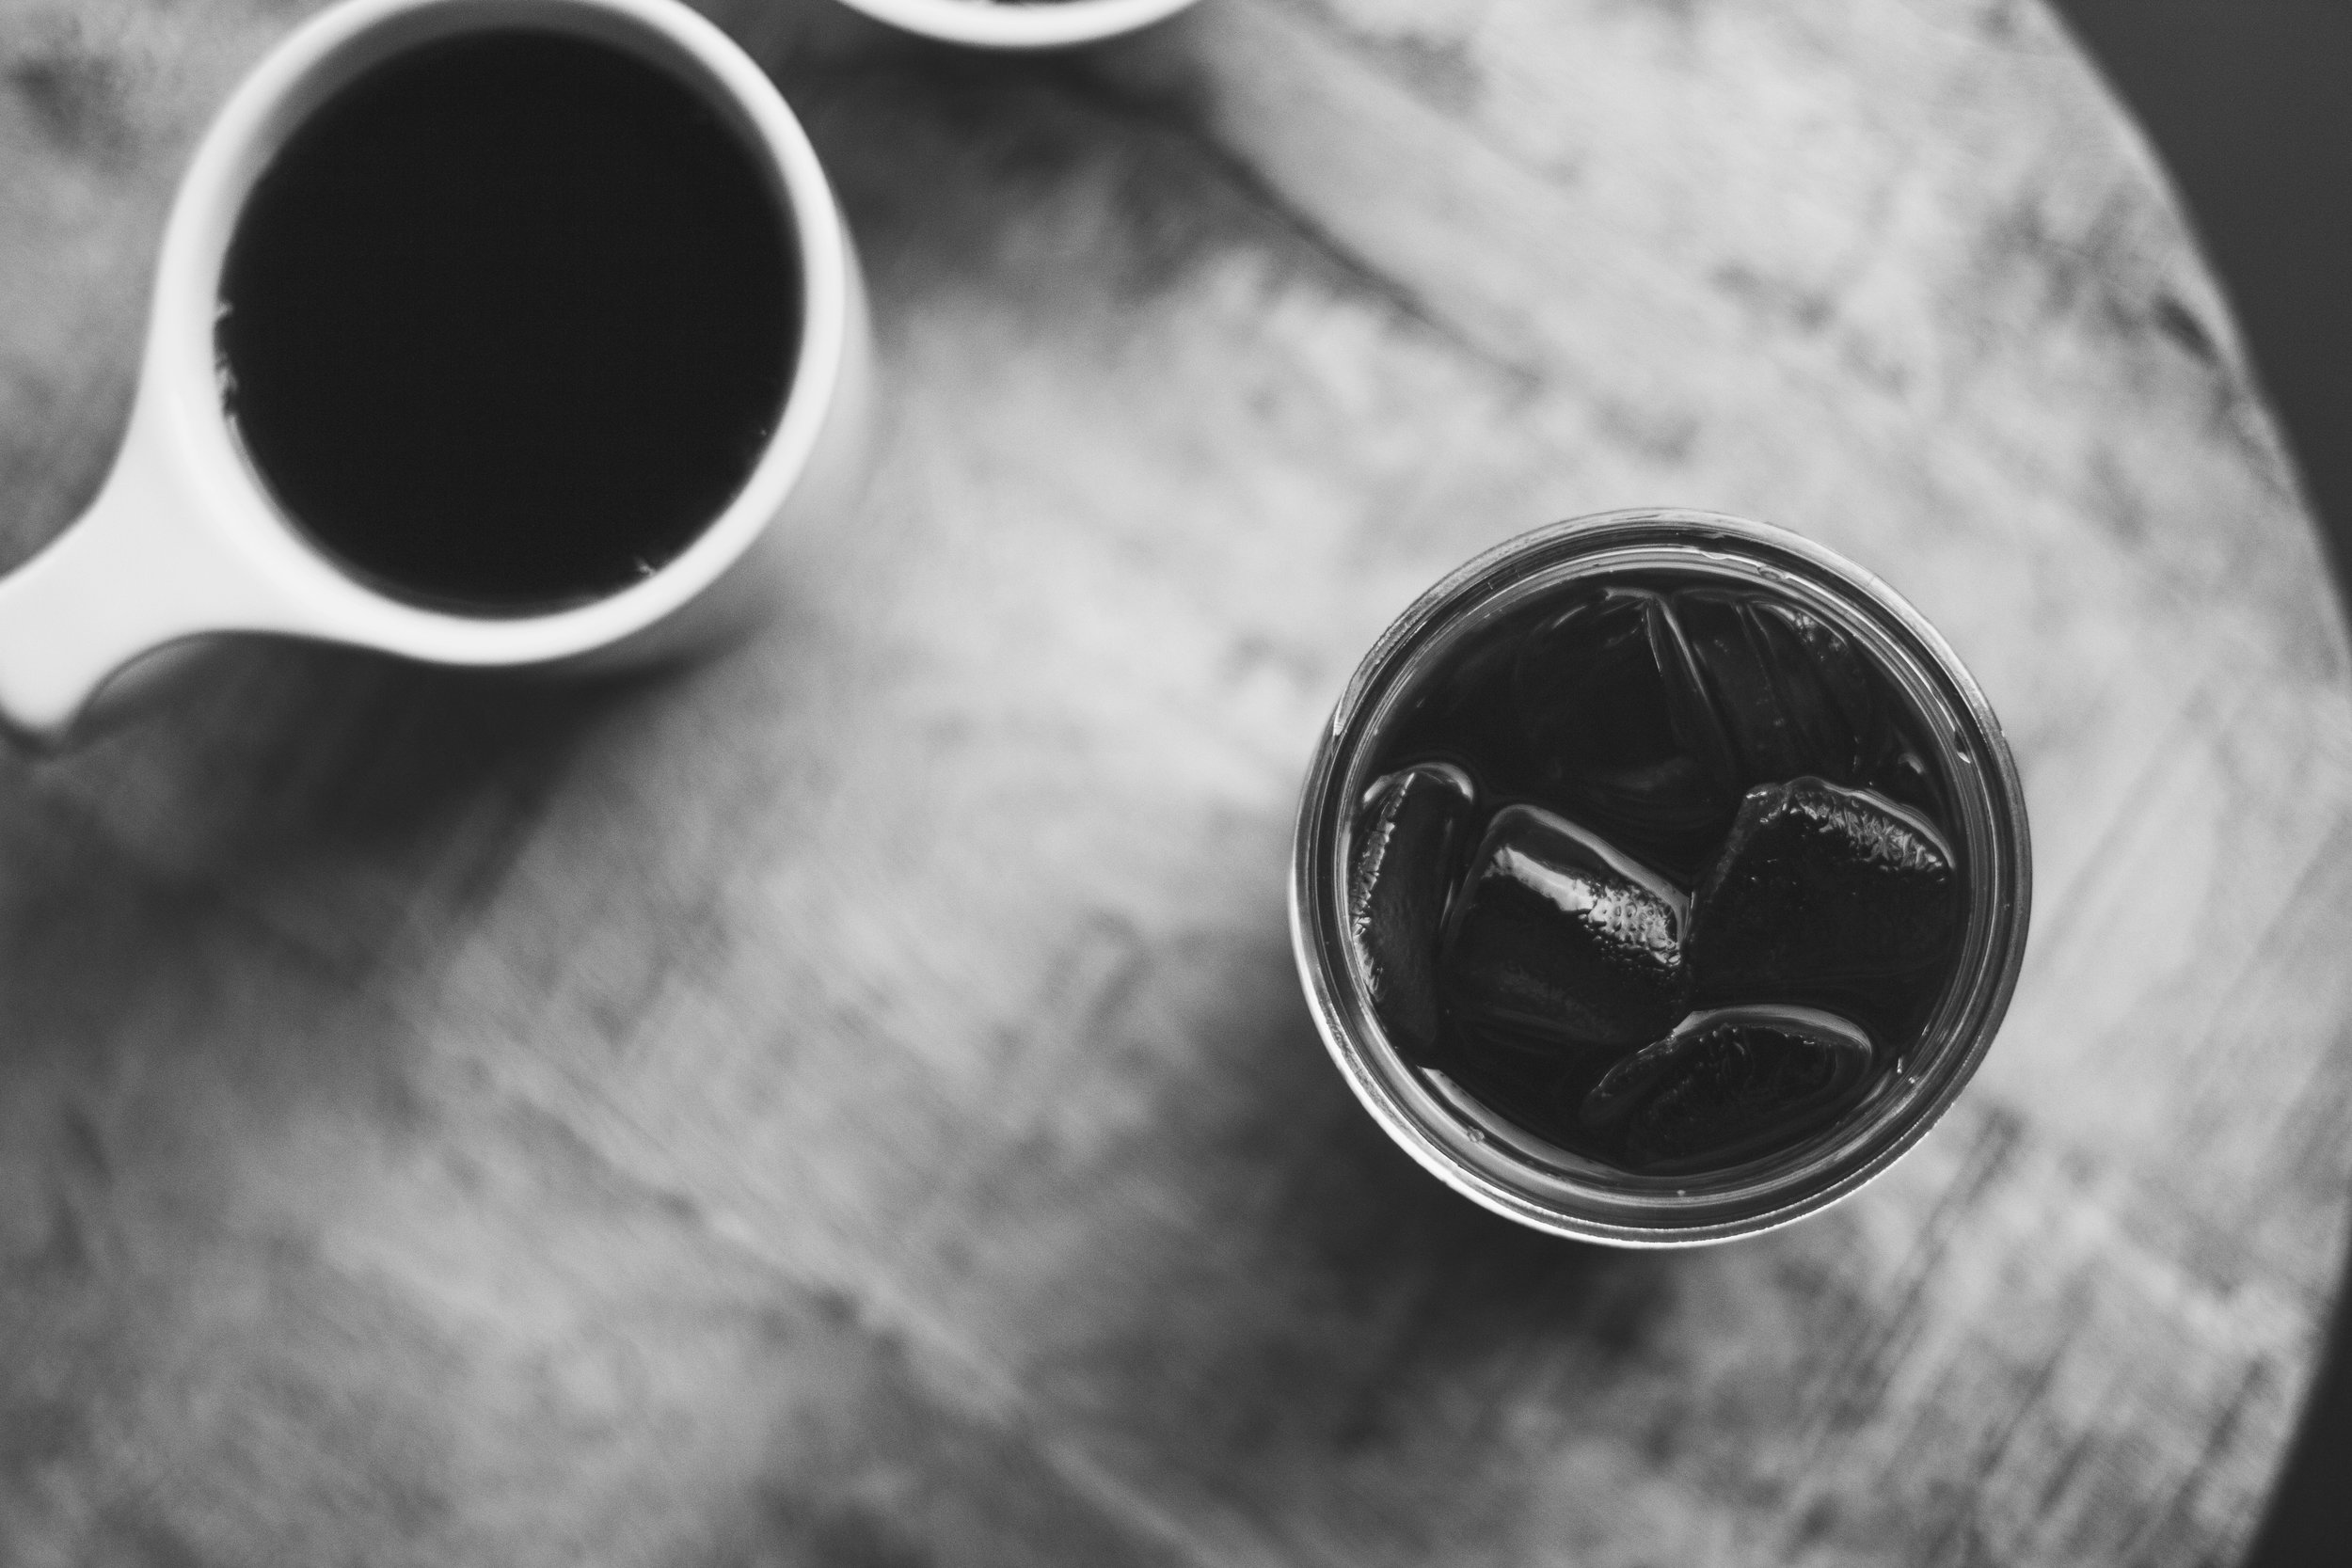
(1792, 696)
(1906, 778)
(1817, 885)
(1611, 707)
(1409, 844)
(1556, 934)
(1729, 1085)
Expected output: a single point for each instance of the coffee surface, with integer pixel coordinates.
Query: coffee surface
(1659, 870)
(508, 321)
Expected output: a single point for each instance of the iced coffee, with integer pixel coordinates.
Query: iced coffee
(1675, 859)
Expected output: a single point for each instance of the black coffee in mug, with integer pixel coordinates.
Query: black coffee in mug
(508, 321)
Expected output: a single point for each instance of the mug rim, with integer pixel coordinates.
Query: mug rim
(1479, 1157)
(180, 405)
(1039, 25)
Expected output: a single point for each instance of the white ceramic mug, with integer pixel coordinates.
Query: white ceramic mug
(184, 540)
(1035, 25)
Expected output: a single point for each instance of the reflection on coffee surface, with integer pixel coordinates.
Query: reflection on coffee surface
(1659, 870)
(509, 321)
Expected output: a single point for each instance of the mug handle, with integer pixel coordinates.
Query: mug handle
(134, 572)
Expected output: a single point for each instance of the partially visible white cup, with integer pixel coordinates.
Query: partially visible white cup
(1022, 25)
(185, 539)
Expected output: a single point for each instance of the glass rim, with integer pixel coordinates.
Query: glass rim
(1517, 1174)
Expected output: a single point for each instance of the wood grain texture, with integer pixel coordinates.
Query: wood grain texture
(851, 1104)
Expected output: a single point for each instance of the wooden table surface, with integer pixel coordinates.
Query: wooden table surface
(851, 1102)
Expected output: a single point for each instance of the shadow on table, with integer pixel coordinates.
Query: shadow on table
(2245, 101)
(328, 797)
